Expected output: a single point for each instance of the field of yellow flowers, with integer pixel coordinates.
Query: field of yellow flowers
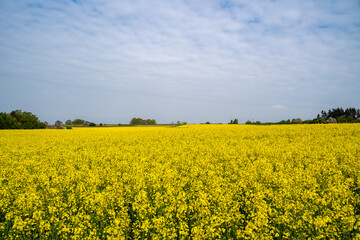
(193, 181)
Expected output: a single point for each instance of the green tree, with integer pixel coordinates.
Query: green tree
(298, 121)
(351, 119)
(78, 122)
(7, 121)
(139, 121)
(18, 119)
(342, 119)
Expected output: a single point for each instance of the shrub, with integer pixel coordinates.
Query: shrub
(298, 121)
(68, 127)
(342, 119)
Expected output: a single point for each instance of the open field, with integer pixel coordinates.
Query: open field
(198, 181)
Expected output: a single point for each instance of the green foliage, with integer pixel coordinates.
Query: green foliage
(248, 122)
(342, 119)
(284, 122)
(298, 121)
(350, 119)
(68, 127)
(68, 122)
(20, 120)
(100, 124)
(140, 121)
(235, 121)
(342, 116)
(92, 124)
(78, 122)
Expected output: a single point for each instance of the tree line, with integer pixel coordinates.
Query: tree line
(80, 122)
(335, 115)
(140, 121)
(341, 115)
(20, 120)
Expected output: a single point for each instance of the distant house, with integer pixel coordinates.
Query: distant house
(331, 120)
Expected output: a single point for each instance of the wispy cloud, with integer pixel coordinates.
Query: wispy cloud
(197, 53)
(279, 106)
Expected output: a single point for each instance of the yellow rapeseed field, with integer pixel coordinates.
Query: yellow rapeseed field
(193, 181)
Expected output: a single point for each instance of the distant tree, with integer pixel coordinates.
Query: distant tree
(207, 122)
(139, 121)
(20, 120)
(323, 114)
(248, 122)
(350, 114)
(258, 122)
(284, 122)
(298, 121)
(92, 124)
(342, 119)
(135, 121)
(78, 122)
(321, 120)
(8, 122)
(235, 121)
(351, 119)
(100, 124)
(68, 122)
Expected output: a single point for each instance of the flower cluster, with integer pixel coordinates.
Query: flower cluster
(192, 181)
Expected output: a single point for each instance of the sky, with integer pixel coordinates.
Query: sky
(194, 61)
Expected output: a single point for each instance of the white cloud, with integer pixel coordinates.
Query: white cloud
(279, 106)
(249, 53)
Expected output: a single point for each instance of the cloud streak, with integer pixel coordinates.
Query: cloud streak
(252, 54)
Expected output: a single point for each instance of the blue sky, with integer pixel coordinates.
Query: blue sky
(194, 61)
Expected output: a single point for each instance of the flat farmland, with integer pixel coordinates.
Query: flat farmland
(191, 181)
